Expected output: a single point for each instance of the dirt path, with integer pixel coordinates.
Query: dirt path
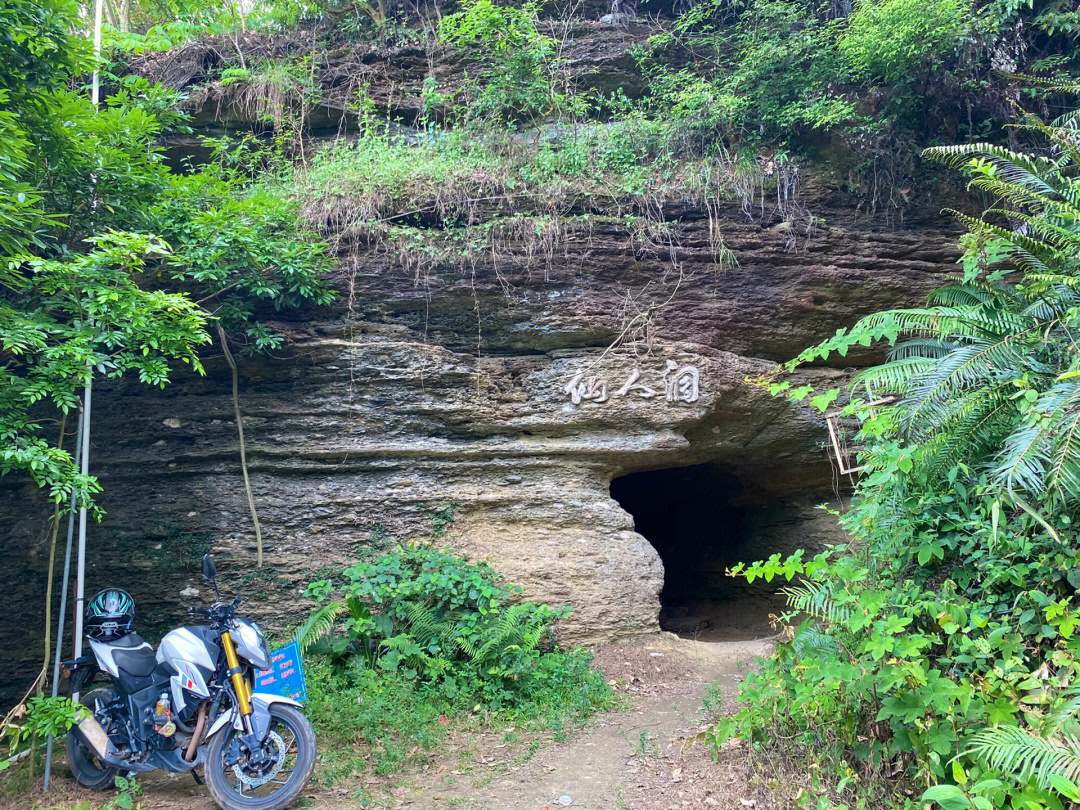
(643, 758)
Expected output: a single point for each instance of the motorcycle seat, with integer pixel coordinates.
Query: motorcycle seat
(134, 655)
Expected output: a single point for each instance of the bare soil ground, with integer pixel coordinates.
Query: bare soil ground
(645, 757)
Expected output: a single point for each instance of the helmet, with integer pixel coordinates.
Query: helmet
(109, 615)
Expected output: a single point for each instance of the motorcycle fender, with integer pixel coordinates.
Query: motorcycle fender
(260, 715)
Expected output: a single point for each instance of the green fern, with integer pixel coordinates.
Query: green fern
(318, 624)
(1027, 756)
(978, 371)
(814, 600)
(518, 630)
(812, 638)
(429, 627)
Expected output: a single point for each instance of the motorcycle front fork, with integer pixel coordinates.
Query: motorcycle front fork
(236, 676)
(242, 690)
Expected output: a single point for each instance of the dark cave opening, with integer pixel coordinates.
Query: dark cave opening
(702, 519)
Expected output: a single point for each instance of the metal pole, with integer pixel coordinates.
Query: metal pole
(95, 87)
(80, 570)
(63, 598)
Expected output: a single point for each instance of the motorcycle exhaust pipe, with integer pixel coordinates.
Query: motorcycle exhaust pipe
(196, 737)
(94, 736)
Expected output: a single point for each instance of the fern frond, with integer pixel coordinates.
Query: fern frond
(1013, 750)
(1065, 715)
(1067, 87)
(983, 420)
(1013, 166)
(814, 600)
(927, 405)
(518, 628)
(812, 638)
(1055, 233)
(1022, 244)
(963, 295)
(1064, 471)
(922, 348)
(892, 377)
(425, 624)
(1044, 453)
(318, 624)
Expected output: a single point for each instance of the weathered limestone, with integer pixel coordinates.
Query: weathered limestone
(420, 391)
(374, 421)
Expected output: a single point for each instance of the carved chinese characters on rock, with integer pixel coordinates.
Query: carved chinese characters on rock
(680, 384)
(632, 386)
(586, 389)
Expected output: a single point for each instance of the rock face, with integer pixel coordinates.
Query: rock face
(493, 409)
(507, 408)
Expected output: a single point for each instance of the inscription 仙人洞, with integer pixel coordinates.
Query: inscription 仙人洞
(680, 384)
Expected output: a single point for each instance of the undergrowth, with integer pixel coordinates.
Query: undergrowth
(449, 198)
(934, 662)
(423, 642)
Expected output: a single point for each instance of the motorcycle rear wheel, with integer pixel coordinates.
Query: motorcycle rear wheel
(240, 787)
(88, 770)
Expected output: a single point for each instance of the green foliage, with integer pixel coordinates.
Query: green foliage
(41, 717)
(1051, 763)
(87, 204)
(383, 721)
(128, 790)
(37, 53)
(520, 65)
(421, 202)
(75, 318)
(885, 77)
(422, 634)
(987, 375)
(951, 622)
(944, 644)
(240, 250)
(779, 55)
(433, 616)
(901, 41)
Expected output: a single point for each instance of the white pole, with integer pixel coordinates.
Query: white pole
(95, 87)
(80, 570)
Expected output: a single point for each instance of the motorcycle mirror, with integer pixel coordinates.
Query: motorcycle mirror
(208, 571)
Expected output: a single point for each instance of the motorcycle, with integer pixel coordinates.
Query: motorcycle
(190, 704)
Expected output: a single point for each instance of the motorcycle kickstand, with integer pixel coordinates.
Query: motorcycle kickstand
(195, 776)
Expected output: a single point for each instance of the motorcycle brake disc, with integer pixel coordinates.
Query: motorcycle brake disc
(251, 782)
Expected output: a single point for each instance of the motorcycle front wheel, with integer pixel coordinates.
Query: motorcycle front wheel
(277, 781)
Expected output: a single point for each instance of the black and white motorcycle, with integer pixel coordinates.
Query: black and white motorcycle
(192, 703)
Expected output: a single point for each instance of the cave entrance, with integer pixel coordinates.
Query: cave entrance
(703, 519)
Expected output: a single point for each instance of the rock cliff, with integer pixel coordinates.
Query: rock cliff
(508, 404)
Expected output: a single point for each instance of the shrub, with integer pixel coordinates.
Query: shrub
(944, 647)
(431, 615)
(901, 41)
(519, 63)
(422, 635)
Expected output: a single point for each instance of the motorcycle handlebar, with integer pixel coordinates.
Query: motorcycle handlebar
(219, 611)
